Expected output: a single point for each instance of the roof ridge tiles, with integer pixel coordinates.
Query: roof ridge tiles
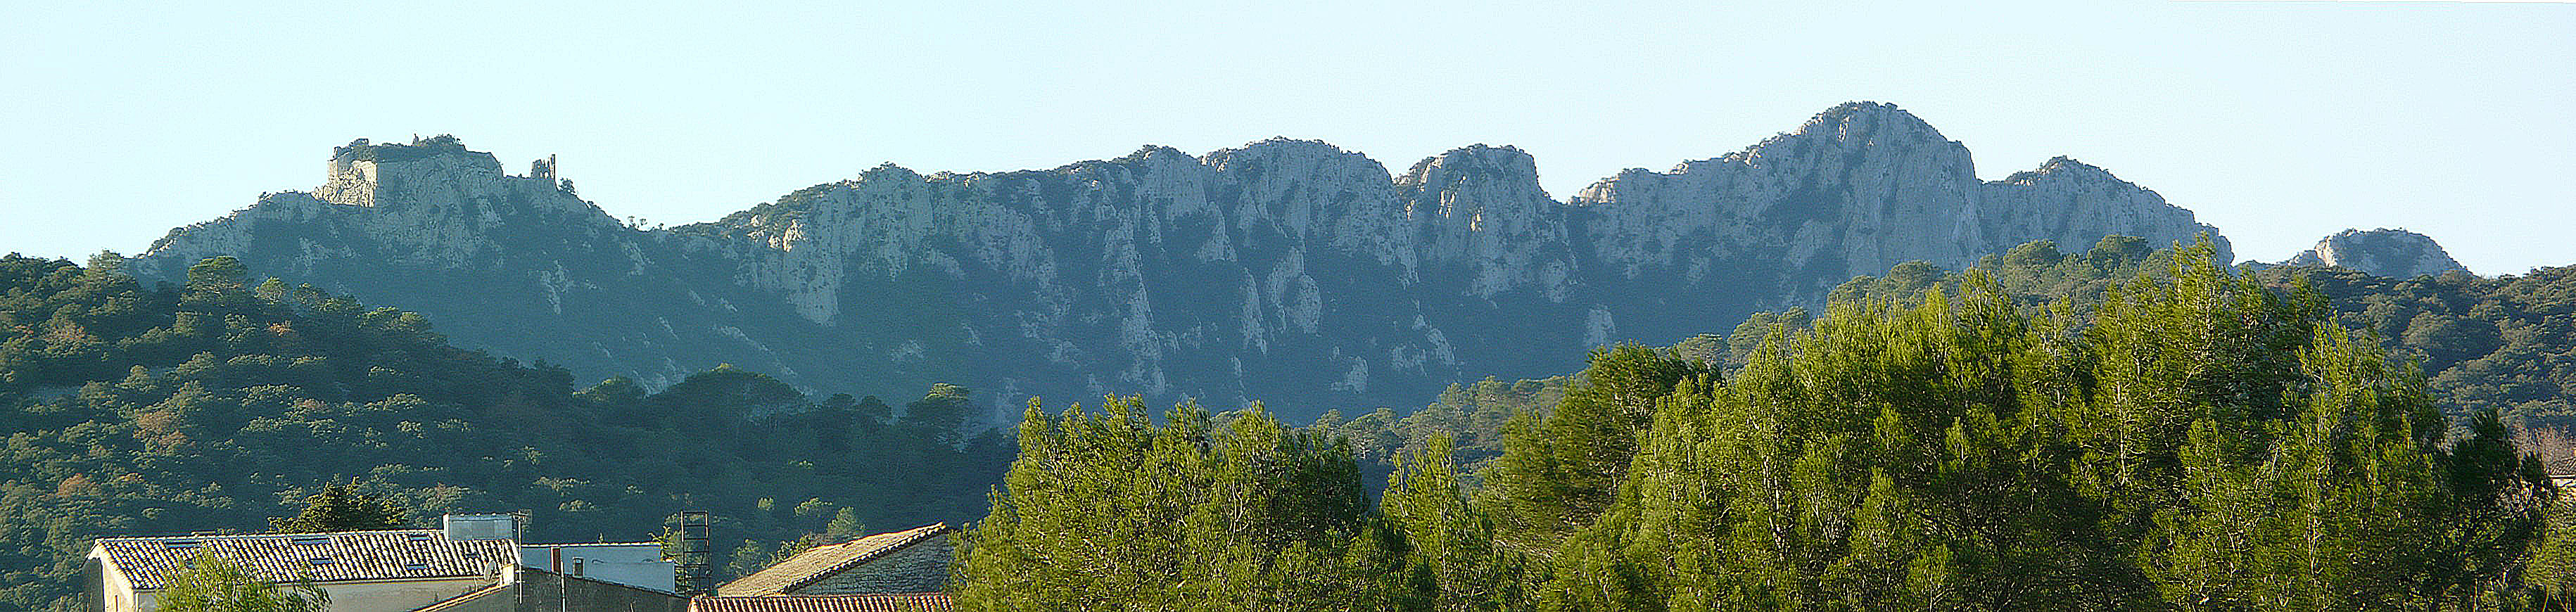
(351, 555)
(823, 561)
(197, 536)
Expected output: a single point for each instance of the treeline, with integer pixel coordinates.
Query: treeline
(2192, 439)
(1469, 417)
(1473, 416)
(222, 402)
(2506, 344)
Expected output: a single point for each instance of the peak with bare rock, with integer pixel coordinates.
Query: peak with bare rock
(2393, 253)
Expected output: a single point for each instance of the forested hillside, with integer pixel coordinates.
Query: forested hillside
(2506, 343)
(211, 405)
(2189, 438)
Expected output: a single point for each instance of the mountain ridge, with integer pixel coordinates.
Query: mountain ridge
(1288, 270)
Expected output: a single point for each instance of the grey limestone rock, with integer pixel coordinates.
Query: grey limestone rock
(1858, 189)
(2394, 253)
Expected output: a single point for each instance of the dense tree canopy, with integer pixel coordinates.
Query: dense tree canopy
(1110, 510)
(337, 508)
(2505, 343)
(2202, 443)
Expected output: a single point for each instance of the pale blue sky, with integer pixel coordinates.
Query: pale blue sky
(2279, 122)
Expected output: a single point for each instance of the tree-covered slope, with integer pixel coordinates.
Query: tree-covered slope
(211, 405)
(2506, 343)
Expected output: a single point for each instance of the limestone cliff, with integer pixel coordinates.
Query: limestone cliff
(2393, 253)
(1858, 189)
(515, 264)
(1287, 271)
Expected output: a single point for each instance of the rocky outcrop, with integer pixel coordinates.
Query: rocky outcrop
(2393, 253)
(1288, 271)
(2076, 204)
(1858, 189)
(515, 264)
(1479, 217)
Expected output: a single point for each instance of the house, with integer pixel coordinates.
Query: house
(392, 571)
(636, 564)
(882, 602)
(910, 561)
(472, 565)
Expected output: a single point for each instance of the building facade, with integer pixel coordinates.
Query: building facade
(403, 570)
(362, 571)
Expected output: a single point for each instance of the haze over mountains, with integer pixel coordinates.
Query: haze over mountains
(1285, 271)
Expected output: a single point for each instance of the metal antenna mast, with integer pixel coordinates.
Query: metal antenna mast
(697, 554)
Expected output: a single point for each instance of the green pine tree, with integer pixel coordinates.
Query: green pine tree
(211, 584)
(337, 508)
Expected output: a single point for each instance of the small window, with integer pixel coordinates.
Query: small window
(322, 561)
(416, 566)
(420, 537)
(184, 544)
(309, 541)
(576, 566)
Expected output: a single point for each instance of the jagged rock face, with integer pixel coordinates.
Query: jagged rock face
(1860, 188)
(2392, 253)
(1479, 215)
(1154, 273)
(2076, 204)
(1287, 271)
(517, 265)
(1857, 189)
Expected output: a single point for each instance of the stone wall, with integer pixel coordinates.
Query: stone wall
(350, 183)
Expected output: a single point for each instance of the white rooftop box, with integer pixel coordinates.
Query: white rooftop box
(466, 527)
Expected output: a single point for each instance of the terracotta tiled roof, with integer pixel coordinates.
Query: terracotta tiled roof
(318, 557)
(465, 599)
(823, 561)
(893, 602)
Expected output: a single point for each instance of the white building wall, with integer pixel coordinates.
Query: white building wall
(402, 596)
(638, 564)
(120, 596)
(391, 596)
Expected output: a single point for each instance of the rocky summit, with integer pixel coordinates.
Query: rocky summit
(2393, 253)
(1285, 271)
